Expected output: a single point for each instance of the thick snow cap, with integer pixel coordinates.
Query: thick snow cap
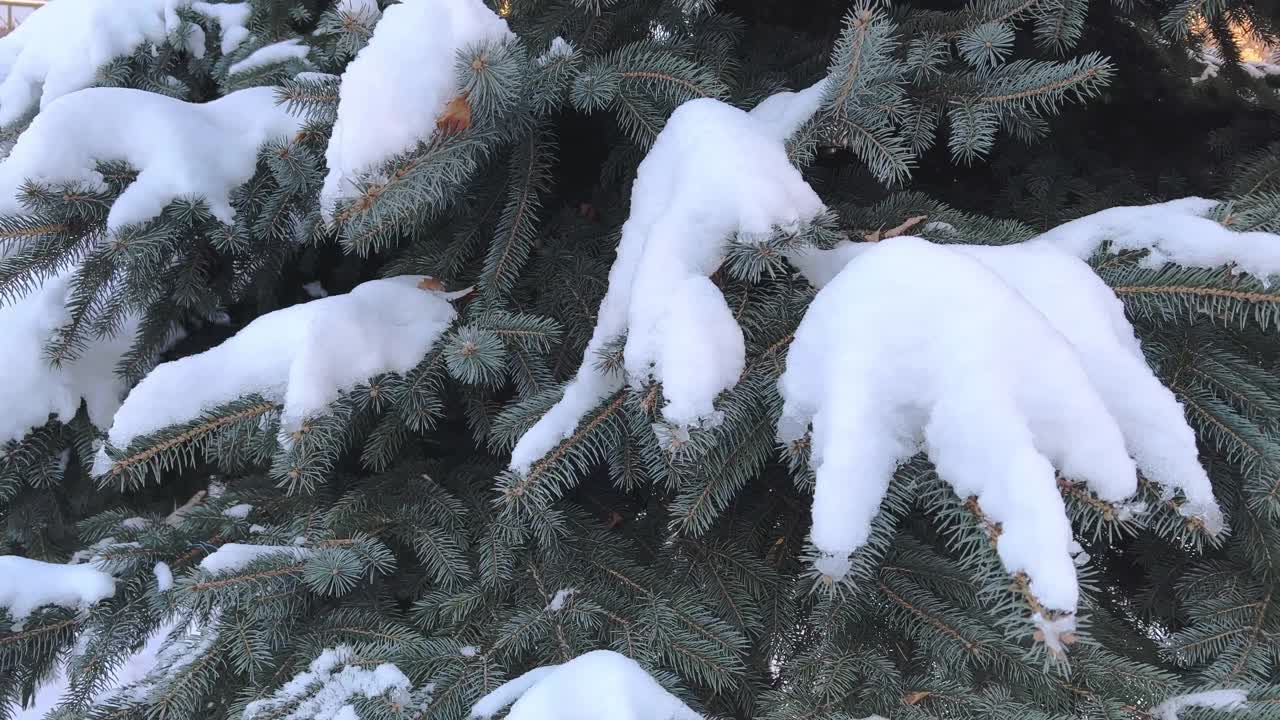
(580, 688)
(714, 172)
(1006, 365)
(397, 86)
(180, 149)
(61, 46)
(303, 357)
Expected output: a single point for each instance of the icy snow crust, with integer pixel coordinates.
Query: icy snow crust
(180, 149)
(713, 171)
(33, 389)
(580, 688)
(326, 689)
(60, 47)
(26, 585)
(398, 84)
(303, 356)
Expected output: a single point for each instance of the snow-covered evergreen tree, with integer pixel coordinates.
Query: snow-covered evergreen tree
(579, 359)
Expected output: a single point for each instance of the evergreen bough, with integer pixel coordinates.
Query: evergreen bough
(409, 543)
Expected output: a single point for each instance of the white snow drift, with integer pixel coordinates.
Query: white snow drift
(1171, 232)
(61, 46)
(27, 584)
(713, 172)
(180, 149)
(578, 689)
(283, 51)
(33, 388)
(1222, 700)
(302, 356)
(1006, 365)
(397, 86)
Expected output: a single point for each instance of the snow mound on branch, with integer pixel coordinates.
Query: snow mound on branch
(1084, 310)
(1172, 232)
(302, 356)
(578, 689)
(1225, 700)
(915, 345)
(235, 556)
(560, 599)
(27, 584)
(232, 18)
(325, 691)
(180, 149)
(783, 113)
(164, 576)
(398, 84)
(60, 47)
(291, 49)
(34, 389)
(713, 171)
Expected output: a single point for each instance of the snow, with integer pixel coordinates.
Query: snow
(303, 356)
(468, 651)
(578, 689)
(359, 7)
(60, 47)
(180, 149)
(134, 668)
(232, 18)
(93, 553)
(1054, 631)
(134, 523)
(239, 512)
(325, 690)
(315, 289)
(1172, 232)
(784, 112)
(713, 171)
(1078, 554)
(282, 51)
(164, 577)
(315, 76)
(235, 556)
(1229, 699)
(398, 84)
(1258, 69)
(1080, 307)
(177, 645)
(559, 49)
(34, 389)
(561, 597)
(26, 585)
(1035, 344)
